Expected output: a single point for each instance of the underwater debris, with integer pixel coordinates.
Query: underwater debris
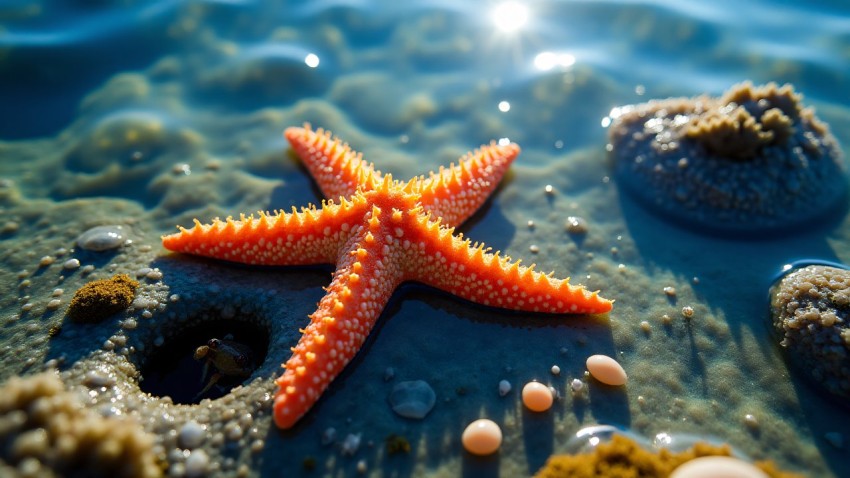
(100, 299)
(623, 457)
(46, 431)
(809, 308)
(397, 444)
(751, 159)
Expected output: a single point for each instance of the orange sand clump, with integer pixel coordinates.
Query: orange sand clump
(624, 458)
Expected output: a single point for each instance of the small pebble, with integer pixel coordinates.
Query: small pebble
(644, 325)
(537, 397)
(197, 464)
(687, 311)
(361, 467)
(717, 467)
(58, 292)
(606, 370)
(530, 224)
(191, 435)
(549, 189)
(482, 437)
(45, 261)
(351, 444)
(670, 291)
(556, 370)
(534, 249)
(666, 319)
(95, 379)
(54, 304)
(87, 269)
(576, 225)
(751, 421)
(154, 275)
(71, 264)
(576, 385)
(504, 388)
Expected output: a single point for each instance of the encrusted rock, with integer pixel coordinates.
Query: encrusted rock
(752, 159)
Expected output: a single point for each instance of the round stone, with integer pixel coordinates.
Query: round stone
(101, 238)
(412, 399)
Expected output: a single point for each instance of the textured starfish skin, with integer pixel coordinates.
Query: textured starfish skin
(379, 233)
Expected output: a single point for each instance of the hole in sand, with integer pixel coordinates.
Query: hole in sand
(205, 360)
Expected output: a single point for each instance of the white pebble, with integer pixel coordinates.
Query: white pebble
(54, 304)
(576, 385)
(71, 264)
(197, 463)
(191, 435)
(58, 292)
(556, 370)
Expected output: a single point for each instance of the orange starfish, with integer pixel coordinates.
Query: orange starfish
(381, 233)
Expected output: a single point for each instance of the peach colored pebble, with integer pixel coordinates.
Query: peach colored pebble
(482, 437)
(717, 467)
(537, 397)
(606, 370)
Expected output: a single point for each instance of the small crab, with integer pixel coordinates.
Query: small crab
(229, 359)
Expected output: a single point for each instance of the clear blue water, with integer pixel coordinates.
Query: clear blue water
(162, 111)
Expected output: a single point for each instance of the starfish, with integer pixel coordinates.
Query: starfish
(380, 232)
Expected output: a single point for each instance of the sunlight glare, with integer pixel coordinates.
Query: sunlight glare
(312, 60)
(510, 16)
(548, 60)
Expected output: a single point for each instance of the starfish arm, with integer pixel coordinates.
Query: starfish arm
(337, 169)
(360, 289)
(455, 265)
(311, 236)
(456, 192)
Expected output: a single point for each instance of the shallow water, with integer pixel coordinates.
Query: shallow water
(151, 113)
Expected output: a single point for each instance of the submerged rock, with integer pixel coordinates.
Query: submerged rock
(751, 159)
(809, 309)
(412, 399)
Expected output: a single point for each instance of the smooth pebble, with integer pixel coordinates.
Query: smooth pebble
(606, 370)
(101, 238)
(537, 397)
(482, 437)
(717, 467)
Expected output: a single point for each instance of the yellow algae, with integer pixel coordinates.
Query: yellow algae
(624, 458)
(99, 299)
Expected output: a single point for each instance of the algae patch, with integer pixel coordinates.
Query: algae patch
(99, 299)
